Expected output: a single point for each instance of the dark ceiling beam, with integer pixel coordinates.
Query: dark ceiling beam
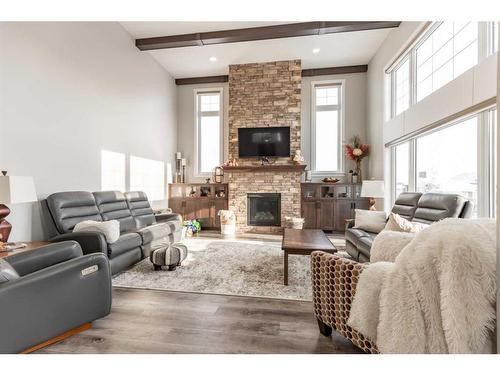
(305, 73)
(334, 70)
(199, 80)
(259, 33)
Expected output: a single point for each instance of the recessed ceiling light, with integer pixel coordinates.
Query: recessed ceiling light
(213, 59)
(316, 50)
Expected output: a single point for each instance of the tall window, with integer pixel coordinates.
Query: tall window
(402, 87)
(401, 168)
(208, 131)
(112, 171)
(449, 50)
(148, 176)
(327, 128)
(443, 52)
(455, 158)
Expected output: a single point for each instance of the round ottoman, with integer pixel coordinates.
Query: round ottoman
(170, 256)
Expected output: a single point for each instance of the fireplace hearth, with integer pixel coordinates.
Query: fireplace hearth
(264, 209)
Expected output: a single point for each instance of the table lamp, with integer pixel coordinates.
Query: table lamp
(372, 189)
(13, 189)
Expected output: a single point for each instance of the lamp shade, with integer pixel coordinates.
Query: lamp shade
(372, 189)
(17, 189)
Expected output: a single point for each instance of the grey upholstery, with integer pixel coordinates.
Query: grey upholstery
(113, 206)
(52, 296)
(132, 210)
(7, 272)
(423, 208)
(71, 207)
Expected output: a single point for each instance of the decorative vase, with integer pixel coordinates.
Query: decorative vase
(358, 171)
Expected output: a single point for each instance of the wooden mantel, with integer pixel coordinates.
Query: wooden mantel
(266, 168)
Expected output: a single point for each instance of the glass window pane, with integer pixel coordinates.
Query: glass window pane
(447, 161)
(209, 156)
(465, 59)
(327, 142)
(424, 88)
(403, 87)
(148, 175)
(465, 37)
(442, 76)
(327, 96)
(112, 171)
(442, 35)
(402, 168)
(209, 102)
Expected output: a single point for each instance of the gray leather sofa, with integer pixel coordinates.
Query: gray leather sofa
(47, 294)
(423, 208)
(64, 210)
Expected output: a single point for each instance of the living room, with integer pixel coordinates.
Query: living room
(300, 186)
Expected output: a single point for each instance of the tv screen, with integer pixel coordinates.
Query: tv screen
(269, 141)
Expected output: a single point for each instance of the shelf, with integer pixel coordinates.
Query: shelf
(266, 168)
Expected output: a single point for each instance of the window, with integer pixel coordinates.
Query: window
(402, 87)
(327, 127)
(401, 170)
(208, 131)
(148, 176)
(112, 171)
(442, 53)
(456, 158)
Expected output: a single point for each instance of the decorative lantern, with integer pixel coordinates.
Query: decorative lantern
(218, 175)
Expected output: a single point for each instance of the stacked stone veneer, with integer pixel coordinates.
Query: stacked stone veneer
(267, 94)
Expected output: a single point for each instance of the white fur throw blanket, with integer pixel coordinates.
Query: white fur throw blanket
(388, 244)
(437, 297)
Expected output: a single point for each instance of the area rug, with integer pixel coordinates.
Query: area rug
(234, 267)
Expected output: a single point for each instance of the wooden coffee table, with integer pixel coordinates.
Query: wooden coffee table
(303, 242)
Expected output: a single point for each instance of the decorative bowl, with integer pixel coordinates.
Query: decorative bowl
(330, 180)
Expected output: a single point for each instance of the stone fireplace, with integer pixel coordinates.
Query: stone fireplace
(264, 209)
(264, 94)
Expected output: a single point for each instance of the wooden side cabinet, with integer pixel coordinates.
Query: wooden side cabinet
(327, 206)
(199, 201)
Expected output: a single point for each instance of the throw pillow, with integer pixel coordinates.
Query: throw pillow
(7, 272)
(371, 221)
(398, 223)
(388, 244)
(110, 229)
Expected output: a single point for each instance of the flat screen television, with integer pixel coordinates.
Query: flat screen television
(262, 142)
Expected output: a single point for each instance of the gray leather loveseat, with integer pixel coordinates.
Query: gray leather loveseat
(49, 291)
(64, 210)
(423, 208)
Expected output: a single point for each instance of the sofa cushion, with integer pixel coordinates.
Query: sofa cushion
(154, 232)
(110, 229)
(140, 208)
(364, 245)
(370, 221)
(397, 223)
(433, 207)
(125, 242)
(406, 204)
(113, 206)
(71, 207)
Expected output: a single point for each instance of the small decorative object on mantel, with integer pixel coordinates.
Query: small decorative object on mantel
(330, 180)
(356, 151)
(207, 180)
(298, 158)
(231, 163)
(4, 173)
(218, 175)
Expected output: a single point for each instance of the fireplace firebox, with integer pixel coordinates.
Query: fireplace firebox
(264, 209)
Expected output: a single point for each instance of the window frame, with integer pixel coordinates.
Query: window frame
(198, 114)
(485, 49)
(486, 175)
(340, 107)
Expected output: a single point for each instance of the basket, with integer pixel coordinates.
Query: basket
(294, 222)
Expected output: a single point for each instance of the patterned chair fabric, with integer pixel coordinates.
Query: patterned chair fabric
(334, 282)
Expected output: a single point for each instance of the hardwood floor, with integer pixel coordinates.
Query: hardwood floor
(148, 321)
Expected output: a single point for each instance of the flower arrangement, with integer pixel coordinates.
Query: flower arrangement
(192, 226)
(356, 151)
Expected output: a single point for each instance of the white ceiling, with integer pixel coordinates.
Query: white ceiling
(353, 48)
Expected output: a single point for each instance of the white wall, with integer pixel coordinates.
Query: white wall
(187, 120)
(354, 107)
(69, 90)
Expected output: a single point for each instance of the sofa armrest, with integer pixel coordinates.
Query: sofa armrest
(46, 256)
(349, 223)
(49, 302)
(90, 242)
(161, 218)
(334, 285)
